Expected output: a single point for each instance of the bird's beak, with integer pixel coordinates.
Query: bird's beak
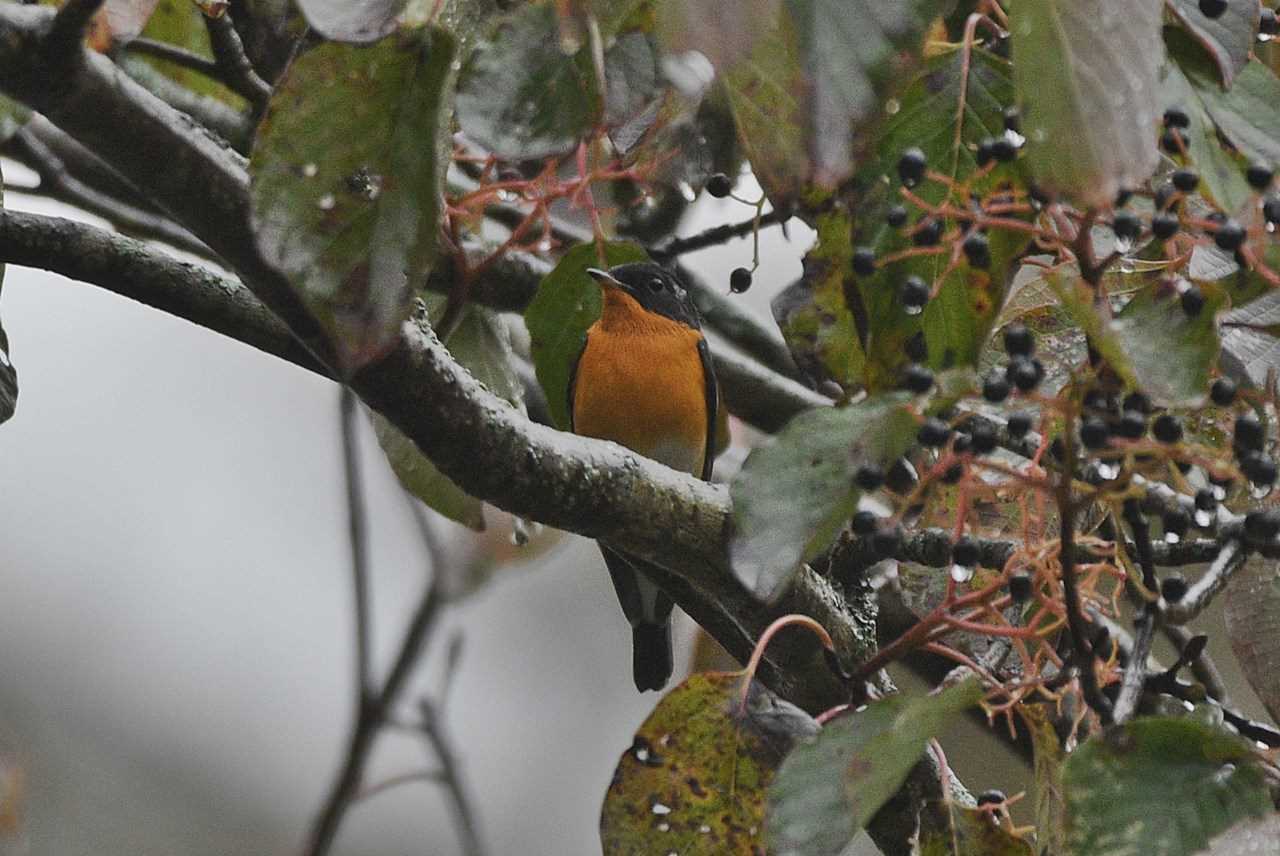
(604, 277)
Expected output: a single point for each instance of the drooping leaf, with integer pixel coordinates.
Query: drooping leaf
(1159, 785)
(970, 832)
(480, 343)
(1252, 601)
(355, 21)
(1221, 172)
(805, 75)
(830, 786)
(567, 303)
(693, 781)
(1084, 72)
(793, 494)
(1247, 114)
(352, 216)
(1051, 830)
(8, 374)
(1228, 38)
(520, 96)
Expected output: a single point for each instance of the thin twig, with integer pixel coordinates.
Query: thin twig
(1201, 665)
(1202, 592)
(357, 531)
(237, 71)
(432, 729)
(719, 235)
(174, 54)
(429, 776)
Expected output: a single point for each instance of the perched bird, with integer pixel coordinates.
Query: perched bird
(644, 379)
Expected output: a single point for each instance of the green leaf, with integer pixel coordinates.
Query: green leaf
(1249, 337)
(1252, 602)
(359, 23)
(567, 303)
(1248, 114)
(1187, 81)
(1084, 72)
(793, 494)
(805, 85)
(520, 96)
(970, 832)
(1050, 805)
(1170, 355)
(694, 779)
(8, 374)
(1159, 786)
(481, 344)
(1228, 38)
(350, 210)
(830, 786)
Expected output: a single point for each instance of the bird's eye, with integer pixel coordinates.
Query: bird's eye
(656, 284)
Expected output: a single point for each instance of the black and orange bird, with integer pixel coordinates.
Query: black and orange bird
(645, 380)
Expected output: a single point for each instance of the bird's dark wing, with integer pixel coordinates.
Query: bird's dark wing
(573, 381)
(713, 404)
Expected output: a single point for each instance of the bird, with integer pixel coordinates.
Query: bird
(644, 379)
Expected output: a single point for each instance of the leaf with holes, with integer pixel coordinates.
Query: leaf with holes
(567, 303)
(1252, 603)
(355, 21)
(1085, 71)
(1228, 38)
(1159, 785)
(793, 494)
(831, 785)
(353, 219)
(694, 779)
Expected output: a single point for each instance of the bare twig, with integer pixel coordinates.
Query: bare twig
(237, 71)
(1201, 593)
(719, 235)
(174, 54)
(358, 539)
(1202, 665)
(432, 729)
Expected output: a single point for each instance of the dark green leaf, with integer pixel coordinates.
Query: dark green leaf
(521, 96)
(567, 303)
(1228, 38)
(1187, 81)
(693, 781)
(352, 216)
(1161, 786)
(481, 344)
(831, 785)
(793, 494)
(1169, 354)
(1249, 113)
(8, 374)
(971, 832)
(361, 22)
(1252, 603)
(1085, 71)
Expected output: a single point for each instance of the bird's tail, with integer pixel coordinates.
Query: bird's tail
(651, 659)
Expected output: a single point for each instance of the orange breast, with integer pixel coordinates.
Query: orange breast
(642, 385)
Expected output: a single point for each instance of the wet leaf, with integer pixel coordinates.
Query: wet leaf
(1228, 38)
(1252, 601)
(1050, 806)
(1159, 785)
(1085, 71)
(971, 832)
(802, 86)
(693, 781)
(793, 494)
(567, 303)
(1249, 337)
(1248, 114)
(352, 219)
(1169, 354)
(8, 374)
(354, 21)
(831, 785)
(481, 344)
(521, 96)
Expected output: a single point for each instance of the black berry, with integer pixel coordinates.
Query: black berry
(1192, 300)
(1176, 117)
(1176, 522)
(1167, 428)
(995, 388)
(1268, 25)
(1271, 209)
(1003, 149)
(868, 477)
(984, 438)
(933, 433)
(1137, 401)
(864, 261)
(977, 250)
(1173, 588)
(1259, 469)
(1132, 425)
(1012, 120)
(1248, 434)
(991, 797)
(1018, 340)
(916, 348)
(919, 379)
(1205, 500)
(1259, 175)
(965, 552)
(886, 542)
(1223, 392)
(719, 185)
(1171, 141)
(865, 522)
(1019, 424)
(911, 166)
(1213, 8)
(1230, 236)
(1094, 433)
(1020, 587)
(963, 443)
(1126, 225)
(954, 473)
(927, 233)
(739, 280)
(1164, 225)
(1025, 373)
(1262, 525)
(915, 292)
(1186, 180)
(901, 476)
(896, 215)
(1123, 196)
(1166, 198)
(986, 151)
